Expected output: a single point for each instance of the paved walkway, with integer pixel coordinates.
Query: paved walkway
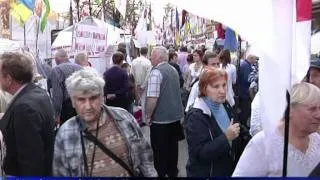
(183, 153)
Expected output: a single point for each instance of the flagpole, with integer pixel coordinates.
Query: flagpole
(24, 35)
(286, 136)
(37, 35)
(90, 8)
(237, 142)
(71, 14)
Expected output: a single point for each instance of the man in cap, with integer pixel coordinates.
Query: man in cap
(313, 75)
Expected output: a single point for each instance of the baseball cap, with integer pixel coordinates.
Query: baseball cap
(315, 63)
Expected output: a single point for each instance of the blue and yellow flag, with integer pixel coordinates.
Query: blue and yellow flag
(29, 4)
(20, 12)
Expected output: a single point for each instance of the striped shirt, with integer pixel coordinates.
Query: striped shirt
(57, 78)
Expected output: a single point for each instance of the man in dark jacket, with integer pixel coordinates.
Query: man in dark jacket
(173, 57)
(60, 97)
(28, 124)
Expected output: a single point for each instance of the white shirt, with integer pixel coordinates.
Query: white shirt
(91, 69)
(255, 122)
(192, 96)
(194, 72)
(263, 156)
(232, 79)
(140, 69)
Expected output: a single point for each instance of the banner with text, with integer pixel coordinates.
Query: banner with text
(90, 39)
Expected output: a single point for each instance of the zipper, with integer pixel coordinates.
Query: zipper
(211, 166)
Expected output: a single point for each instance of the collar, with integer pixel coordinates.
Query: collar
(247, 61)
(66, 61)
(161, 63)
(102, 120)
(200, 104)
(15, 95)
(19, 90)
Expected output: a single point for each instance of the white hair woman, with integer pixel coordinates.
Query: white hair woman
(265, 150)
(75, 153)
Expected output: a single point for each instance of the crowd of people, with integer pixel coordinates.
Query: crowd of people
(86, 124)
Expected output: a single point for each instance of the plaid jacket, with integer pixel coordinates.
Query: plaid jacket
(68, 159)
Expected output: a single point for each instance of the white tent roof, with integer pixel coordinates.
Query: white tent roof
(64, 38)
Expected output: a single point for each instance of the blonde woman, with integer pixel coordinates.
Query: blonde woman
(266, 150)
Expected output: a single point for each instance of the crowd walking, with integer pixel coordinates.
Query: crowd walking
(87, 124)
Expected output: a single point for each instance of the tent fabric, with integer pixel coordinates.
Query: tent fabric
(64, 37)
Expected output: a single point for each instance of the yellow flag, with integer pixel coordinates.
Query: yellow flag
(20, 12)
(178, 38)
(186, 28)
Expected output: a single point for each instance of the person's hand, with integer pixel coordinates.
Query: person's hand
(58, 121)
(148, 122)
(233, 131)
(111, 96)
(136, 102)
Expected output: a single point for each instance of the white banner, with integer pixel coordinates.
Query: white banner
(90, 39)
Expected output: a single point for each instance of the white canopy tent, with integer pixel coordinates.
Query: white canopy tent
(64, 38)
(64, 41)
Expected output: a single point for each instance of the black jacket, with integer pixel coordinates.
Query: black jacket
(176, 66)
(28, 131)
(210, 153)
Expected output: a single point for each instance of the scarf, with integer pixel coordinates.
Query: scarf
(219, 113)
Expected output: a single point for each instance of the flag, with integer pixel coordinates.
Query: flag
(231, 40)
(184, 16)
(187, 28)
(276, 33)
(142, 22)
(301, 54)
(20, 12)
(29, 4)
(44, 18)
(98, 2)
(121, 5)
(149, 24)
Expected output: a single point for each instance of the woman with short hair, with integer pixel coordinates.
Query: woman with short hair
(265, 150)
(231, 70)
(116, 89)
(210, 129)
(194, 69)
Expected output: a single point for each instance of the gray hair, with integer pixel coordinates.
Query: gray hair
(162, 52)
(304, 93)
(81, 58)
(85, 81)
(61, 54)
